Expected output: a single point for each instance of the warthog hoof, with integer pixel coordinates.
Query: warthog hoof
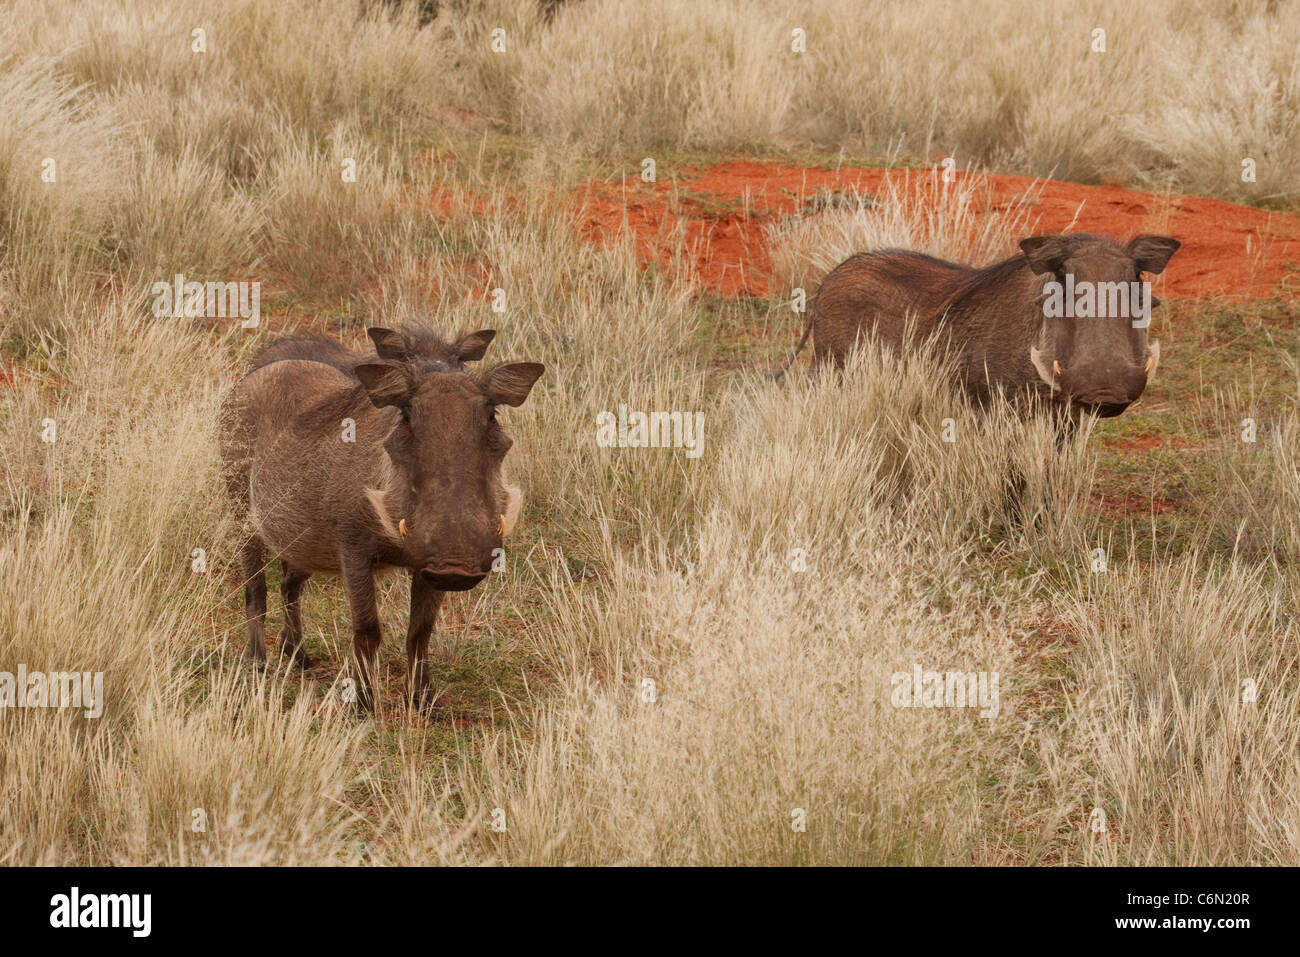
(298, 657)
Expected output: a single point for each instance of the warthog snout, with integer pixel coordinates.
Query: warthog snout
(1125, 389)
(450, 578)
(1101, 391)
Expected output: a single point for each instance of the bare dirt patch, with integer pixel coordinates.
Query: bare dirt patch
(720, 214)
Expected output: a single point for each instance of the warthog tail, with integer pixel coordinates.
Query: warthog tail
(807, 331)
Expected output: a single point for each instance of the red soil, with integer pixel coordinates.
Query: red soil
(1144, 442)
(1227, 249)
(1122, 504)
(11, 374)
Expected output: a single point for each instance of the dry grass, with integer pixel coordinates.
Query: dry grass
(914, 210)
(827, 538)
(1183, 92)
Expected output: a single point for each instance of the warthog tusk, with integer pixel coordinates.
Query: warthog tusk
(514, 502)
(501, 525)
(376, 498)
(1056, 367)
(1041, 367)
(1153, 358)
(401, 527)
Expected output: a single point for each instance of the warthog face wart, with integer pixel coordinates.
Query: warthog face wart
(1099, 359)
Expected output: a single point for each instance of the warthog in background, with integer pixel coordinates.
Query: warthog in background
(346, 463)
(993, 321)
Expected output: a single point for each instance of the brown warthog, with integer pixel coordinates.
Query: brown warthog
(997, 322)
(345, 465)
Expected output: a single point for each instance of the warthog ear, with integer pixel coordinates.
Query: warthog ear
(389, 344)
(1151, 253)
(1045, 253)
(388, 383)
(470, 348)
(510, 384)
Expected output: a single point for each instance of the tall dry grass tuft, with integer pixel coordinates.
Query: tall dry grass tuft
(170, 159)
(914, 210)
(103, 531)
(1186, 706)
(1256, 476)
(49, 230)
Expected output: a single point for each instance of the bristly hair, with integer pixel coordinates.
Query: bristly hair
(992, 276)
(432, 353)
(424, 348)
(307, 349)
(427, 351)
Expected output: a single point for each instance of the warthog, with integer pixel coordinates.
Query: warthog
(346, 464)
(993, 321)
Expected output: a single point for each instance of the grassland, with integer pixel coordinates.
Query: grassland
(827, 539)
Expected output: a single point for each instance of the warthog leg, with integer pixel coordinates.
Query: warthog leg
(252, 560)
(425, 602)
(359, 577)
(291, 583)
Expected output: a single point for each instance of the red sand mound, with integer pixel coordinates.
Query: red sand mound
(722, 212)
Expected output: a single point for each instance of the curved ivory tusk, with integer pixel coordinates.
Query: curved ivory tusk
(1153, 358)
(376, 499)
(1040, 365)
(514, 503)
(401, 528)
